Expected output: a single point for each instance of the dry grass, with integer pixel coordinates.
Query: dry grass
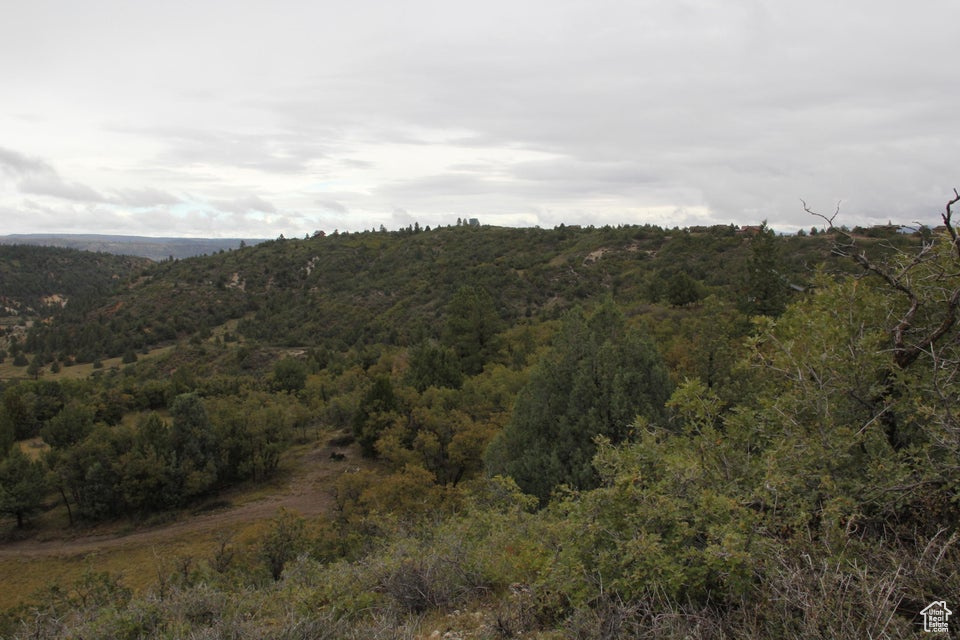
(75, 372)
(33, 448)
(139, 566)
(57, 554)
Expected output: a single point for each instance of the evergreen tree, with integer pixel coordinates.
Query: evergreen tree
(432, 365)
(22, 485)
(682, 289)
(766, 285)
(599, 378)
(88, 471)
(194, 443)
(471, 324)
(289, 374)
(377, 410)
(34, 368)
(7, 433)
(68, 427)
(18, 412)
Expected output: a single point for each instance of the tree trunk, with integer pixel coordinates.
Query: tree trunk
(67, 505)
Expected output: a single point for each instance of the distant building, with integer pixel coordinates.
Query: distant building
(474, 222)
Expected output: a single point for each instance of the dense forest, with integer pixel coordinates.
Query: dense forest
(576, 432)
(31, 277)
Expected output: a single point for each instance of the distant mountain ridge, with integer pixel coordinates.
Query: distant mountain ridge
(142, 246)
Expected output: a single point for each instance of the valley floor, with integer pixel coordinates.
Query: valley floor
(304, 488)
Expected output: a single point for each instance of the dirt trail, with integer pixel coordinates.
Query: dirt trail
(306, 492)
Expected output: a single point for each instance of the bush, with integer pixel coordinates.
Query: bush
(290, 375)
(284, 542)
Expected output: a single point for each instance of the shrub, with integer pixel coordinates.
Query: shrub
(284, 542)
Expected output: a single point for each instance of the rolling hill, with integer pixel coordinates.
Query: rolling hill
(155, 249)
(488, 433)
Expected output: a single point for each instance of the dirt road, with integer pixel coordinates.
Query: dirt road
(307, 492)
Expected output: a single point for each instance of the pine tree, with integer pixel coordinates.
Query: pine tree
(472, 323)
(377, 410)
(22, 485)
(599, 378)
(766, 286)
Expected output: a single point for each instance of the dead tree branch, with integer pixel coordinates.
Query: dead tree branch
(946, 216)
(905, 352)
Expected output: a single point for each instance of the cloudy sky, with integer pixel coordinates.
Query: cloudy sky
(248, 118)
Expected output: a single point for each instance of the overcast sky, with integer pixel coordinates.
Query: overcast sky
(254, 118)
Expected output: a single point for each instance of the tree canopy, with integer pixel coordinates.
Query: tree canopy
(598, 378)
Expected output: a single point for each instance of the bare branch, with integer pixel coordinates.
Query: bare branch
(949, 224)
(904, 353)
(845, 249)
(829, 220)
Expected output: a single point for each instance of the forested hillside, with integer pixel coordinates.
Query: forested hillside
(30, 275)
(340, 291)
(568, 433)
(37, 283)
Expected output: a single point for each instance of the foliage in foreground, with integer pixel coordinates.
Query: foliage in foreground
(498, 569)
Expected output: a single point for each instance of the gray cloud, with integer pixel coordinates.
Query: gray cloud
(145, 197)
(534, 112)
(16, 164)
(245, 204)
(332, 206)
(36, 177)
(72, 217)
(459, 185)
(281, 152)
(50, 184)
